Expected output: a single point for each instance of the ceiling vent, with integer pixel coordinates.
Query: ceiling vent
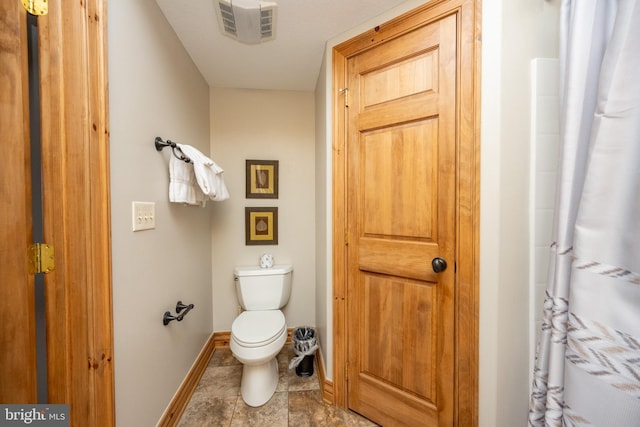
(247, 21)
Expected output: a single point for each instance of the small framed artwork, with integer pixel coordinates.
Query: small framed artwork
(261, 226)
(262, 179)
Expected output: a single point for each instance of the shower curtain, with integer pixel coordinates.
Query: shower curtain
(587, 370)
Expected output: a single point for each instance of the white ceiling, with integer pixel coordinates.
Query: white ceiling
(290, 62)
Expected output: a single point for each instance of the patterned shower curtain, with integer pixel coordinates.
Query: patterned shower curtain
(587, 370)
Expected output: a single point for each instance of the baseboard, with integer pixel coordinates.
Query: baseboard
(222, 338)
(180, 400)
(326, 385)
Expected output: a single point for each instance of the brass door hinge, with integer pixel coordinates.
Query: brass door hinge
(36, 7)
(41, 258)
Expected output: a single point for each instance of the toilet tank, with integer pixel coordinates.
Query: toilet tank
(263, 288)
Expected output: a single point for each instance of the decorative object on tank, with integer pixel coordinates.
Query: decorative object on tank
(266, 261)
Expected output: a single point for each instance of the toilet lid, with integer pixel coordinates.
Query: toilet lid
(257, 328)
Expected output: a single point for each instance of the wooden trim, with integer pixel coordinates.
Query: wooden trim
(222, 339)
(326, 385)
(178, 404)
(467, 216)
(468, 245)
(76, 209)
(428, 12)
(17, 302)
(340, 237)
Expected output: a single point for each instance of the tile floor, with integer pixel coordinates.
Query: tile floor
(296, 402)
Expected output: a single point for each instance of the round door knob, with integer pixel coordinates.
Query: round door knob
(439, 265)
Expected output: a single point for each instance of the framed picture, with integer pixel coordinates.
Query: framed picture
(262, 179)
(261, 226)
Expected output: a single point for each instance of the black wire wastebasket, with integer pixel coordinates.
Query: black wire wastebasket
(305, 345)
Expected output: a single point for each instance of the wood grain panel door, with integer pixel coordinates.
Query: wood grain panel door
(17, 301)
(74, 170)
(401, 199)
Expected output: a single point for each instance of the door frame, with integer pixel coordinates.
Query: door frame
(76, 208)
(17, 291)
(467, 203)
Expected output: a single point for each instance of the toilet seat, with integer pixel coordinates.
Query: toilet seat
(258, 328)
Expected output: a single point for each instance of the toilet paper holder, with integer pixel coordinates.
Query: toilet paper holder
(181, 311)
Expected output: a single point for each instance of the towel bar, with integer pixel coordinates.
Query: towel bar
(177, 152)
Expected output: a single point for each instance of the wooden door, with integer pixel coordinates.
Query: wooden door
(17, 337)
(401, 198)
(76, 212)
(405, 190)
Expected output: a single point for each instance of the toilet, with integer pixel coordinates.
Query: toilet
(259, 333)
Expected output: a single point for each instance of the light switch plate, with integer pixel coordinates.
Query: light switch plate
(143, 215)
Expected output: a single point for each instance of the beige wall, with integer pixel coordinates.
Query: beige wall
(323, 152)
(154, 89)
(264, 125)
(514, 33)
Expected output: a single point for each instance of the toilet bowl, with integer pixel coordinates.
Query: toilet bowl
(259, 333)
(256, 339)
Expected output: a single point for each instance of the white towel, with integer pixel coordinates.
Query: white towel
(208, 174)
(183, 186)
